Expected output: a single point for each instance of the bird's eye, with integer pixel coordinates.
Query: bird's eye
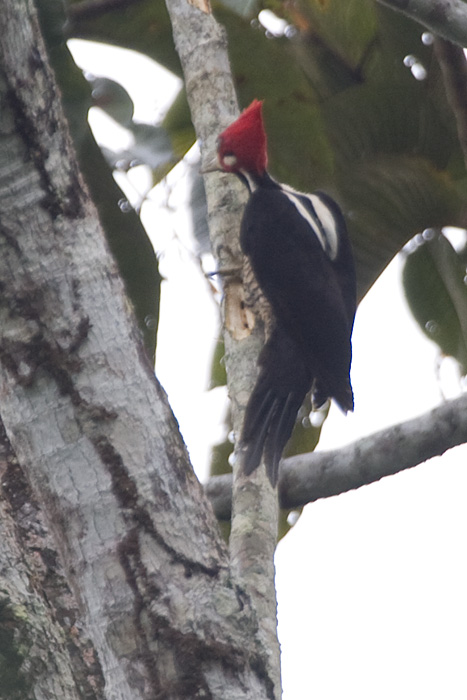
(229, 160)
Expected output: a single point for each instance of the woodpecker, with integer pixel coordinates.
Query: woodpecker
(300, 252)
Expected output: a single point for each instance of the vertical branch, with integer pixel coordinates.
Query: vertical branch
(202, 47)
(453, 64)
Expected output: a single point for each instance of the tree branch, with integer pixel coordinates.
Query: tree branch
(306, 478)
(448, 18)
(202, 47)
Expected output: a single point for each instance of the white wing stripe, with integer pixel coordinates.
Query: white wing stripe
(328, 224)
(319, 217)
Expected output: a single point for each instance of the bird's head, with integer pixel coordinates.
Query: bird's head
(243, 145)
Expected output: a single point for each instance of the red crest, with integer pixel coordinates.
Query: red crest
(245, 141)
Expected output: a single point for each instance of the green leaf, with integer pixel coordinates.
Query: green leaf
(244, 8)
(218, 374)
(113, 99)
(220, 458)
(390, 199)
(434, 283)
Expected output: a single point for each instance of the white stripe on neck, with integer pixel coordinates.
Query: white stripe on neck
(252, 184)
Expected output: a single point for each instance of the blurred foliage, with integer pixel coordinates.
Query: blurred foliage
(218, 373)
(151, 144)
(344, 112)
(435, 279)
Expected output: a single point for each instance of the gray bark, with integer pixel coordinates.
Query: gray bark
(202, 47)
(44, 653)
(91, 426)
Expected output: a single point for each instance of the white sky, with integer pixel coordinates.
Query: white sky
(371, 584)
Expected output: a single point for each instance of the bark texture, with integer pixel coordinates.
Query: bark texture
(202, 46)
(43, 651)
(91, 426)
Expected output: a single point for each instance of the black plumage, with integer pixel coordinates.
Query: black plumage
(301, 255)
(313, 301)
(274, 403)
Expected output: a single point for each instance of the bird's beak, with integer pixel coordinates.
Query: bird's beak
(210, 164)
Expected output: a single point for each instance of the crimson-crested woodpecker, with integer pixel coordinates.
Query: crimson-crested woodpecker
(301, 255)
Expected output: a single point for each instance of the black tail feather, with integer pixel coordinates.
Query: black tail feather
(280, 433)
(282, 385)
(256, 427)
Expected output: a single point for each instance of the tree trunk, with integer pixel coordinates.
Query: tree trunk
(43, 650)
(91, 426)
(202, 46)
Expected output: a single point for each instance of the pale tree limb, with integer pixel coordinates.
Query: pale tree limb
(202, 46)
(309, 477)
(91, 426)
(447, 18)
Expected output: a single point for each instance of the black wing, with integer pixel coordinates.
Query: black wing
(308, 276)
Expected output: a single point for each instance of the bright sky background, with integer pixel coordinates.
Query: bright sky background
(371, 584)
